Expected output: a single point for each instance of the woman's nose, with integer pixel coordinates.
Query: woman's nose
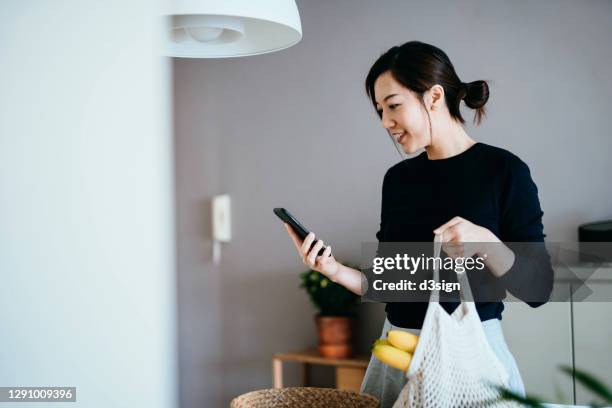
(387, 122)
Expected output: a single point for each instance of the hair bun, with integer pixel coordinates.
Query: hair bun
(475, 94)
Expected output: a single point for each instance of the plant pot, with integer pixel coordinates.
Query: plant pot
(335, 350)
(335, 336)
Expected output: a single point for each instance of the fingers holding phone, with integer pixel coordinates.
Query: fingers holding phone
(311, 249)
(324, 263)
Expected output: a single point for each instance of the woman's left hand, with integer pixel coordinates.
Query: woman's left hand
(462, 238)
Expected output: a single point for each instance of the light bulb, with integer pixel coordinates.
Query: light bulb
(204, 34)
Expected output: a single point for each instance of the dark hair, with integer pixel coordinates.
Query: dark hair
(418, 67)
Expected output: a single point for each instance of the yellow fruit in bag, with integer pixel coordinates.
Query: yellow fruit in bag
(403, 340)
(381, 342)
(392, 356)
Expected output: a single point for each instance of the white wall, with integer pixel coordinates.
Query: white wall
(87, 296)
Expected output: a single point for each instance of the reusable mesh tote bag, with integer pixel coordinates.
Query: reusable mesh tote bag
(453, 364)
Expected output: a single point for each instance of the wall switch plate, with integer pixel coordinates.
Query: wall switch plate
(221, 218)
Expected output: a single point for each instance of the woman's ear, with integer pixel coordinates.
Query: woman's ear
(435, 97)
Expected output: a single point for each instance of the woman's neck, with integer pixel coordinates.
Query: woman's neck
(449, 141)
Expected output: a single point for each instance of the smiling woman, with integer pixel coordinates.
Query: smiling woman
(457, 189)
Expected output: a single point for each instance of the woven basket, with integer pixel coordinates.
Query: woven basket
(304, 397)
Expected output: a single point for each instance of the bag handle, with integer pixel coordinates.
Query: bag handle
(464, 285)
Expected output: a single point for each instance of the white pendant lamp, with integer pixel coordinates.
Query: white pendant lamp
(231, 28)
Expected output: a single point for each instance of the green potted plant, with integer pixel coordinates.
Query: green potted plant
(335, 320)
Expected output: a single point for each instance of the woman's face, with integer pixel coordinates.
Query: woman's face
(402, 113)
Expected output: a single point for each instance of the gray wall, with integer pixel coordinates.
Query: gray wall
(295, 129)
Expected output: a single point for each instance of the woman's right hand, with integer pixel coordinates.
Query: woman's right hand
(325, 263)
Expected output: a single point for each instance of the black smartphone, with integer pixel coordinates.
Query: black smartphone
(299, 229)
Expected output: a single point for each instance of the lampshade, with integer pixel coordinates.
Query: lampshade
(231, 28)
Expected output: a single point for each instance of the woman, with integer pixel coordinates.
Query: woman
(461, 189)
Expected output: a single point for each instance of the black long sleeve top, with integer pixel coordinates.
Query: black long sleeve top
(486, 185)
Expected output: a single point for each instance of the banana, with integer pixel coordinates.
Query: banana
(403, 340)
(392, 356)
(381, 342)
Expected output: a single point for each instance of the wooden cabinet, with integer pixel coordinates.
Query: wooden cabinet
(349, 372)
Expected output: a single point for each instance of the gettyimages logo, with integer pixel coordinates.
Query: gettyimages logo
(411, 264)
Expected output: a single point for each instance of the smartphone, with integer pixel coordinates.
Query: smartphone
(299, 229)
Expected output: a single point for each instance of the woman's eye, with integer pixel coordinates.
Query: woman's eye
(392, 107)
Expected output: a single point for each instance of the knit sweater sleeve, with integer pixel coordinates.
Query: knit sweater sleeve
(531, 276)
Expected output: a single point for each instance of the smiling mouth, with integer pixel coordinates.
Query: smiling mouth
(399, 137)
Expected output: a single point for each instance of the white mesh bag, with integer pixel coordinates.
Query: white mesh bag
(453, 363)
